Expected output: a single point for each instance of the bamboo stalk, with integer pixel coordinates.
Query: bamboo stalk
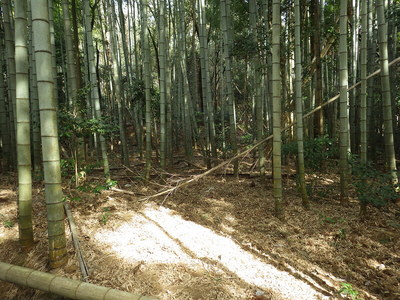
(72, 289)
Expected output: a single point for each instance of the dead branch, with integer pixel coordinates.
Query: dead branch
(125, 192)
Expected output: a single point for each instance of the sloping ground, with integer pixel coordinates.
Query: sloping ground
(217, 239)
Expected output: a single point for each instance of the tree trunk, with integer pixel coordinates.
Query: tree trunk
(10, 59)
(94, 83)
(4, 124)
(49, 133)
(344, 117)
(162, 52)
(23, 128)
(147, 82)
(276, 109)
(299, 106)
(386, 97)
(227, 42)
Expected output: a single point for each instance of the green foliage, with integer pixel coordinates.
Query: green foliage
(67, 166)
(348, 290)
(331, 220)
(72, 198)
(105, 216)
(372, 186)
(8, 224)
(246, 138)
(315, 151)
(72, 126)
(97, 188)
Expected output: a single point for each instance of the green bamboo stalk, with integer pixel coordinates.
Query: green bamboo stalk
(116, 79)
(344, 101)
(71, 72)
(276, 110)
(49, 134)
(147, 82)
(386, 93)
(363, 94)
(23, 128)
(5, 136)
(205, 76)
(162, 52)
(94, 83)
(299, 106)
(62, 286)
(10, 59)
(227, 42)
(36, 142)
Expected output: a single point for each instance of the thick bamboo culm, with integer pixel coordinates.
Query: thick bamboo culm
(72, 289)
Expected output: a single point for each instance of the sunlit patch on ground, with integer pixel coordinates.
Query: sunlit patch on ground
(160, 236)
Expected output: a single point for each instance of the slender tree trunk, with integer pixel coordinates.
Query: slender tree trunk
(344, 117)
(10, 59)
(316, 49)
(227, 41)
(23, 128)
(363, 94)
(386, 97)
(4, 124)
(71, 72)
(76, 44)
(35, 125)
(162, 52)
(205, 76)
(49, 133)
(94, 83)
(371, 67)
(53, 48)
(256, 70)
(186, 97)
(299, 106)
(117, 77)
(276, 109)
(147, 82)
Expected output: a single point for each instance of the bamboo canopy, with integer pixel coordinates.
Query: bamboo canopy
(72, 289)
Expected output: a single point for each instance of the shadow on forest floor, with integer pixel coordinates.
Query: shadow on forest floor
(218, 239)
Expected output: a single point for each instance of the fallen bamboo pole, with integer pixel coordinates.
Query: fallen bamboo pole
(75, 239)
(247, 151)
(69, 288)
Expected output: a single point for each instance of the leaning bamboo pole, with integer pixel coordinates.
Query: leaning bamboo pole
(72, 289)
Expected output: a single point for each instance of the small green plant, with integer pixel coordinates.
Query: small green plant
(348, 290)
(341, 233)
(102, 187)
(331, 220)
(105, 216)
(84, 188)
(316, 151)
(373, 187)
(8, 224)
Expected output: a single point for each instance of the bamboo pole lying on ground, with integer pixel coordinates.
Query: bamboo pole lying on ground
(75, 239)
(72, 289)
(169, 191)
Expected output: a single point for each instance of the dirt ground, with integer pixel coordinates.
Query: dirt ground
(214, 239)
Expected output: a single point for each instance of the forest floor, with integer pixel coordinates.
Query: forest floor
(214, 239)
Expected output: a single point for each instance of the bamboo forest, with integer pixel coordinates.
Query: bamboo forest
(199, 149)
